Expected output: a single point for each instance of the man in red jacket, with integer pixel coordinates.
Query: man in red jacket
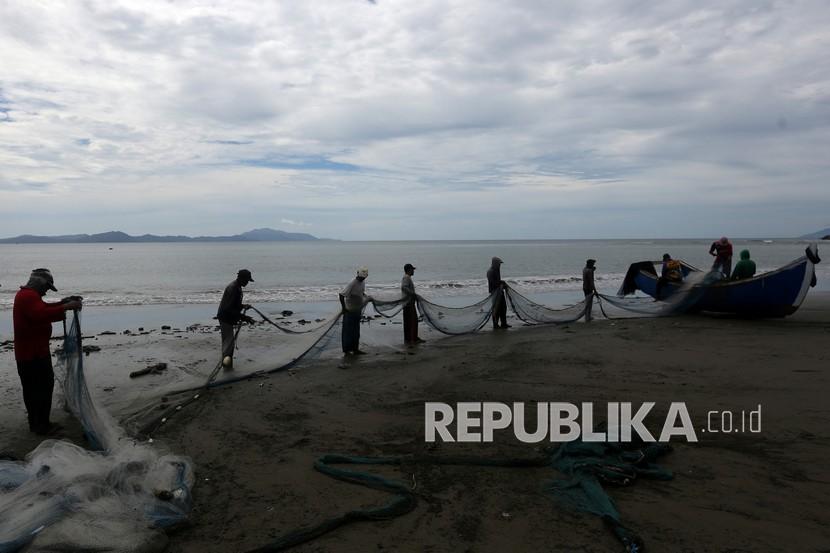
(721, 250)
(33, 320)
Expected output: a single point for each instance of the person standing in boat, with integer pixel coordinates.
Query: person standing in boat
(722, 252)
(410, 312)
(352, 300)
(495, 283)
(588, 287)
(745, 268)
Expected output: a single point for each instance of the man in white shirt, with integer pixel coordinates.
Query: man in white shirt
(352, 299)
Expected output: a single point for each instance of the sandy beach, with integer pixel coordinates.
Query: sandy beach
(301, 173)
(254, 442)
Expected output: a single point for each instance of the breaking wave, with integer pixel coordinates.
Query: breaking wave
(318, 293)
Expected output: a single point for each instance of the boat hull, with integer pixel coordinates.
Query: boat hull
(775, 294)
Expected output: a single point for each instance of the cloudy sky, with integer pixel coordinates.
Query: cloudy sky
(401, 119)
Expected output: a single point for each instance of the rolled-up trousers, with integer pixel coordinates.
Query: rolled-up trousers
(228, 343)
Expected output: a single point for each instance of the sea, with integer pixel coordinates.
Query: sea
(127, 285)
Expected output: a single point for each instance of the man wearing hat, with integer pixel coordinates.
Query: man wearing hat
(588, 287)
(494, 282)
(352, 299)
(33, 320)
(410, 313)
(230, 314)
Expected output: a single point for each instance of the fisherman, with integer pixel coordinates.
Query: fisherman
(230, 314)
(588, 287)
(352, 300)
(745, 268)
(671, 272)
(410, 313)
(495, 283)
(722, 252)
(33, 320)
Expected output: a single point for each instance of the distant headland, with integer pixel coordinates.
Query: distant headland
(256, 235)
(823, 234)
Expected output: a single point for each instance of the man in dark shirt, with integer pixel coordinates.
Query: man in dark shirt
(494, 283)
(588, 287)
(230, 314)
(33, 320)
(410, 313)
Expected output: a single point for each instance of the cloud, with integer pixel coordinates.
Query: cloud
(432, 112)
(293, 223)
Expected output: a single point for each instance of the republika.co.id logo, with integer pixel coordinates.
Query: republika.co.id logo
(565, 422)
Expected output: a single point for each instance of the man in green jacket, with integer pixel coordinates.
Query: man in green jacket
(745, 267)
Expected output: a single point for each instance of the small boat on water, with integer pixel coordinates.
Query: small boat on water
(776, 293)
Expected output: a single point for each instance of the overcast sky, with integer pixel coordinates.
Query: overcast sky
(418, 119)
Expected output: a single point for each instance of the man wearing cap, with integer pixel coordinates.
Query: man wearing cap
(410, 313)
(230, 314)
(352, 299)
(494, 283)
(588, 287)
(33, 320)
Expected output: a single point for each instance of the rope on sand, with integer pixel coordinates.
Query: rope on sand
(587, 466)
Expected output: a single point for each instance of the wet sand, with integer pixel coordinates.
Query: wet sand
(254, 442)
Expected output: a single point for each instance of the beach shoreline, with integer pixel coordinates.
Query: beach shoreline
(254, 442)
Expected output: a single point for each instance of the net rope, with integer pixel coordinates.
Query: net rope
(449, 320)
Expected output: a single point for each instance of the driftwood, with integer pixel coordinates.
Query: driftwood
(152, 369)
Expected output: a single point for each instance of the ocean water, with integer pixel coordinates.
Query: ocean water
(187, 279)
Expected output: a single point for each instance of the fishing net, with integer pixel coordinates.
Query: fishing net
(118, 498)
(681, 300)
(587, 466)
(457, 320)
(390, 307)
(101, 431)
(531, 312)
(270, 347)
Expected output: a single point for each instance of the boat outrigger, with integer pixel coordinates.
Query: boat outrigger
(776, 293)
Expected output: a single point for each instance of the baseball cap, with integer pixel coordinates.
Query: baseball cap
(46, 275)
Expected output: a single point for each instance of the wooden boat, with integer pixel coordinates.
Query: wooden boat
(777, 293)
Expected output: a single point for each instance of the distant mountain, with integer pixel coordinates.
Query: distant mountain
(256, 235)
(818, 235)
(271, 235)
